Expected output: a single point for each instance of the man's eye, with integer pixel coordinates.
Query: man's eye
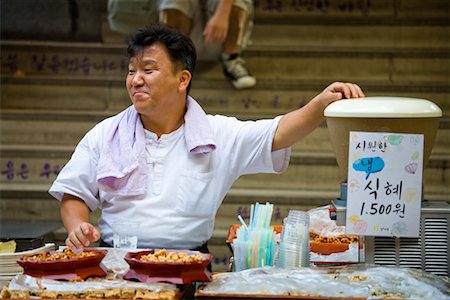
(131, 72)
(148, 71)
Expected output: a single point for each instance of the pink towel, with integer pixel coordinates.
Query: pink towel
(198, 133)
(122, 166)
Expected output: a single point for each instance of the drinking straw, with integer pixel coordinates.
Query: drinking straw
(252, 210)
(262, 246)
(242, 222)
(255, 257)
(269, 214)
(256, 214)
(243, 262)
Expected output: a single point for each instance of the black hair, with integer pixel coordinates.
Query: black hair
(181, 49)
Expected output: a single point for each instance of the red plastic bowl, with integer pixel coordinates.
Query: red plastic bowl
(175, 272)
(66, 268)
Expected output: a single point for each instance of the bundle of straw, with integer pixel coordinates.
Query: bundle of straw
(254, 245)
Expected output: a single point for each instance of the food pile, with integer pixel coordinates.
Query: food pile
(340, 239)
(175, 257)
(323, 245)
(66, 254)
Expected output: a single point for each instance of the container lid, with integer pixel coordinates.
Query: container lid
(383, 107)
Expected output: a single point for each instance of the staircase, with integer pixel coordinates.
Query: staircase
(54, 91)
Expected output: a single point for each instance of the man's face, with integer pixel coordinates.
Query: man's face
(151, 81)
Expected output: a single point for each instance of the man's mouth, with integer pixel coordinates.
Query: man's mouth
(137, 93)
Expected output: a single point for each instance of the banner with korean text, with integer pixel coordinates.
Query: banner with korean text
(384, 190)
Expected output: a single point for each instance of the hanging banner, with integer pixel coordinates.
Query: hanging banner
(384, 190)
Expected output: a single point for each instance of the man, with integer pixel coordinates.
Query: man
(163, 162)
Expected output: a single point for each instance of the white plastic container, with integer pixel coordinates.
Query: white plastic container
(380, 114)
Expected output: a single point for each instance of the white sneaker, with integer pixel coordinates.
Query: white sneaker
(234, 69)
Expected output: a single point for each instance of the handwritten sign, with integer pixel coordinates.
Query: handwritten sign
(21, 171)
(384, 184)
(311, 6)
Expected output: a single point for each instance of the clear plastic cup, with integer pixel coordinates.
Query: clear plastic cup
(294, 246)
(125, 234)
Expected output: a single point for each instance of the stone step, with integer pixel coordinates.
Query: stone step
(53, 93)
(291, 65)
(352, 10)
(51, 20)
(63, 128)
(270, 98)
(353, 68)
(307, 172)
(327, 35)
(335, 13)
(411, 39)
(59, 20)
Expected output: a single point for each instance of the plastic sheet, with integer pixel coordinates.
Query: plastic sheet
(367, 281)
(28, 283)
(115, 263)
(321, 224)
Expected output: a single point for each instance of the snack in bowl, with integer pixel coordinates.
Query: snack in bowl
(328, 245)
(176, 257)
(66, 254)
(64, 265)
(174, 266)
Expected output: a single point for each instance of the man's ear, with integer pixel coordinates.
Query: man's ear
(185, 79)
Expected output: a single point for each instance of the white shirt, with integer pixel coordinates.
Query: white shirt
(185, 189)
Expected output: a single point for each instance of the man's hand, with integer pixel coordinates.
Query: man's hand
(82, 236)
(338, 91)
(216, 30)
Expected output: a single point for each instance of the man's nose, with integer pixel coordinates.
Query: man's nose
(137, 79)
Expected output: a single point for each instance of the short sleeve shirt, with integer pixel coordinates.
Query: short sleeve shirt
(184, 190)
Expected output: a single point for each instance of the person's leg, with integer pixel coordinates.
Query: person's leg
(237, 38)
(238, 25)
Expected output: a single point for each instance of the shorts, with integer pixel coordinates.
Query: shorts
(126, 16)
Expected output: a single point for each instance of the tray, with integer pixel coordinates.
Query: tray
(173, 272)
(66, 269)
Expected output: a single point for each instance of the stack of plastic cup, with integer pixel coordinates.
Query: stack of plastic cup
(294, 245)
